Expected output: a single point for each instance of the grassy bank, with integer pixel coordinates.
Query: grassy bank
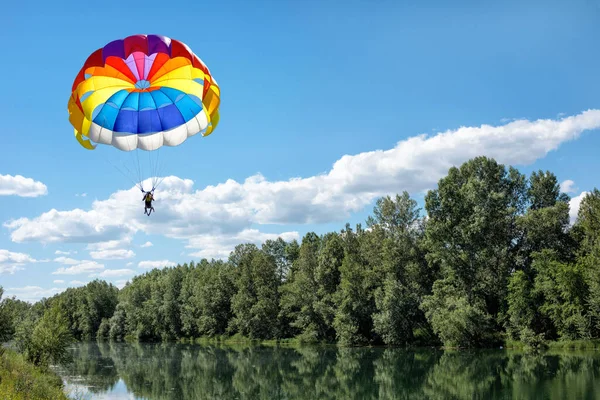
(591, 344)
(240, 339)
(20, 379)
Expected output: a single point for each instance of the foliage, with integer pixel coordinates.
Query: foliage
(47, 340)
(492, 255)
(20, 380)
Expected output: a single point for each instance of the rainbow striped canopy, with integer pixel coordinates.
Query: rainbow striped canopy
(143, 92)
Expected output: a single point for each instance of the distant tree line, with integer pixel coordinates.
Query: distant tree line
(494, 258)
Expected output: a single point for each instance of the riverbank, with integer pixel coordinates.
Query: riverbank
(590, 344)
(20, 379)
(239, 339)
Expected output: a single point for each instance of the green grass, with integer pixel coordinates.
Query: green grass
(238, 339)
(575, 344)
(20, 379)
(591, 344)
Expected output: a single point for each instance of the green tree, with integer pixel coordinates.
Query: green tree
(255, 305)
(353, 321)
(470, 236)
(563, 292)
(46, 341)
(456, 319)
(300, 292)
(400, 292)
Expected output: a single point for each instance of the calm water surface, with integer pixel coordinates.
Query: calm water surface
(180, 371)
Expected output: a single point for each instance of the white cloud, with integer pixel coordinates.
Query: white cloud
(11, 262)
(568, 186)
(156, 264)
(114, 254)
(112, 273)
(84, 267)
(219, 246)
(230, 208)
(574, 204)
(109, 244)
(66, 260)
(58, 281)
(147, 244)
(129, 263)
(20, 186)
(10, 269)
(16, 258)
(75, 226)
(77, 283)
(64, 253)
(31, 293)
(81, 194)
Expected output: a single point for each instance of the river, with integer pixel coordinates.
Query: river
(185, 371)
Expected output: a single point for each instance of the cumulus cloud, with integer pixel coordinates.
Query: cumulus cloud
(574, 204)
(64, 253)
(10, 269)
(31, 294)
(109, 244)
(58, 281)
(114, 254)
(20, 186)
(11, 262)
(74, 226)
(219, 246)
(568, 186)
(66, 260)
(16, 258)
(230, 208)
(112, 273)
(147, 244)
(156, 264)
(82, 268)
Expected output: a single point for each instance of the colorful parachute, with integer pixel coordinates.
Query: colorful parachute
(143, 92)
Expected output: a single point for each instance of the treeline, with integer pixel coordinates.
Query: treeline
(494, 258)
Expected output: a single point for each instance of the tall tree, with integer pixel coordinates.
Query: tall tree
(399, 291)
(470, 234)
(255, 305)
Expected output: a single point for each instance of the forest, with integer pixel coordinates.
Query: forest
(492, 258)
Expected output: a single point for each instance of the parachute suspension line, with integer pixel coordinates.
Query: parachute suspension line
(157, 169)
(128, 177)
(136, 164)
(154, 166)
(140, 170)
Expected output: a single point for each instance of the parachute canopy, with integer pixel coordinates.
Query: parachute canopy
(143, 92)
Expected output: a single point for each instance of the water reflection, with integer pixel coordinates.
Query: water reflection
(177, 371)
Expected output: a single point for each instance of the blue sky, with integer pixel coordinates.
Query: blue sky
(305, 86)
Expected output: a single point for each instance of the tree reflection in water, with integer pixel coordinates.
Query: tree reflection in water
(185, 371)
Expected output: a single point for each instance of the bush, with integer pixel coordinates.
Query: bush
(21, 380)
(46, 341)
